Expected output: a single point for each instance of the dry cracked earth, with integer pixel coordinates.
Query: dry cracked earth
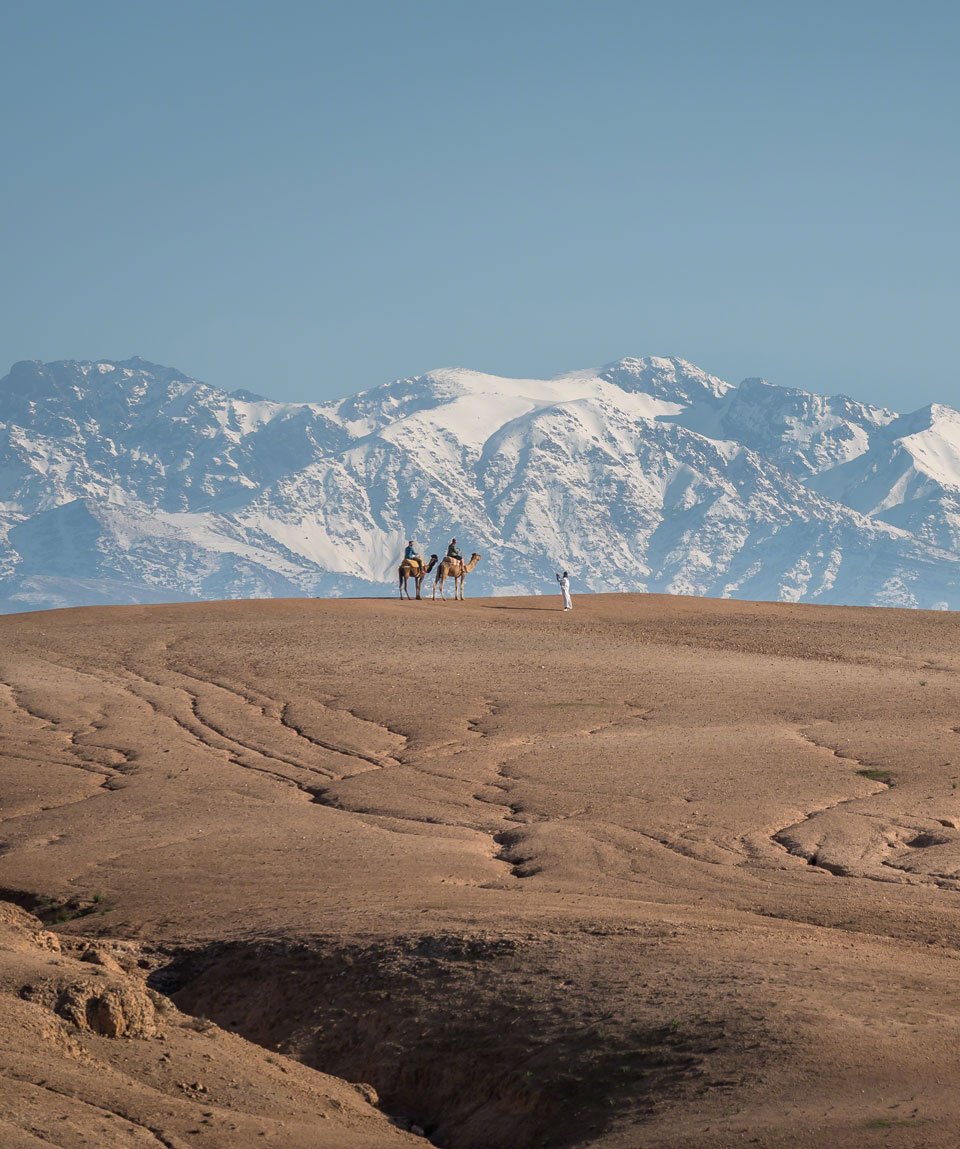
(661, 872)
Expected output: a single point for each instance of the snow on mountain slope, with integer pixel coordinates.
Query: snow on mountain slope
(935, 445)
(89, 540)
(466, 407)
(131, 430)
(909, 477)
(124, 481)
(802, 433)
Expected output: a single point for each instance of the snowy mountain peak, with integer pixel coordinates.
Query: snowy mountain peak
(941, 414)
(65, 387)
(245, 396)
(933, 442)
(121, 480)
(674, 380)
(935, 419)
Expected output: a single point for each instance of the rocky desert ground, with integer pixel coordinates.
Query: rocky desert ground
(660, 872)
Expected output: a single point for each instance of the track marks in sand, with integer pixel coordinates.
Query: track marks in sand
(460, 783)
(374, 763)
(642, 714)
(284, 714)
(182, 707)
(434, 786)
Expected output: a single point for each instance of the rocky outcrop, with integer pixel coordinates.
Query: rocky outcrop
(90, 1055)
(115, 1009)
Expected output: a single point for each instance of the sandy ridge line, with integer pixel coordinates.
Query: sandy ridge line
(387, 821)
(376, 763)
(510, 840)
(918, 828)
(200, 735)
(50, 725)
(501, 848)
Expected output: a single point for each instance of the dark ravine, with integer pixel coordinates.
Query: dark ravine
(483, 1042)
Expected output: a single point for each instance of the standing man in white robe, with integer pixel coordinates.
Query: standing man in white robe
(564, 581)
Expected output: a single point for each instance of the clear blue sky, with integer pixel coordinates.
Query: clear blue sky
(310, 198)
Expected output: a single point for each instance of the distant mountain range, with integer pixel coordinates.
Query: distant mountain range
(123, 481)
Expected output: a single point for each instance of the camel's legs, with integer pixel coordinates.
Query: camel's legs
(405, 584)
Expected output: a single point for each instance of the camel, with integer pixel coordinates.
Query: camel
(458, 570)
(411, 568)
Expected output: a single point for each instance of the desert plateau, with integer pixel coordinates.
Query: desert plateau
(659, 872)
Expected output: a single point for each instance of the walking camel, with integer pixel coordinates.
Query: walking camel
(412, 569)
(456, 569)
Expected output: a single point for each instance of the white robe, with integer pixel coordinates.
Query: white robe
(565, 591)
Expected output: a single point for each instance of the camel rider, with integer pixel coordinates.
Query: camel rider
(453, 551)
(410, 554)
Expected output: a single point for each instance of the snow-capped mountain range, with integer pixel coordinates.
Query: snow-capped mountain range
(123, 481)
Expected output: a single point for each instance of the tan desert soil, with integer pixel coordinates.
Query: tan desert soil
(660, 872)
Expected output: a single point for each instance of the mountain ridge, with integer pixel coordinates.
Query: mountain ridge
(643, 474)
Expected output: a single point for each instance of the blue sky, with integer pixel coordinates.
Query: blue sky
(307, 199)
